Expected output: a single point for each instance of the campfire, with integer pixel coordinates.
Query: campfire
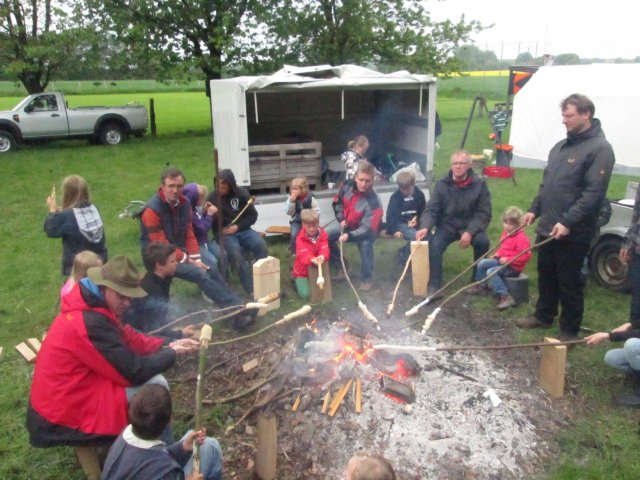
(345, 355)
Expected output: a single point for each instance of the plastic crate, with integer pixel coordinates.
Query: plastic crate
(499, 172)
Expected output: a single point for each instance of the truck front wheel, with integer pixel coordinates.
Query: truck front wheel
(7, 142)
(606, 267)
(112, 134)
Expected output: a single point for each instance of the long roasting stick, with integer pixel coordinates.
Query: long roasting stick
(363, 308)
(289, 316)
(395, 292)
(427, 300)
(432, 316)
(205, 338)
(235, 309)
(320, 281)
(417, 348)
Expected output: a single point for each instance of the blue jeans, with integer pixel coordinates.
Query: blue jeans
(626, 358)
(210, 459)
(634, 277)
(365, 247)
(487, 266)
(295, 229)
(210, 254)
(439, 242)
(210, 282)
(235, 245)
(408, 234)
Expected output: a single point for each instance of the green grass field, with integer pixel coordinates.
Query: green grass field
(602, 443)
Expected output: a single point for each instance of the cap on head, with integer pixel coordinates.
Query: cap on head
(119, 274)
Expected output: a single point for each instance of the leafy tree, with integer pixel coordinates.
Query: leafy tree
(34, 41)
(525, 58)
(389, 33)
(567, 59)
(472, 58)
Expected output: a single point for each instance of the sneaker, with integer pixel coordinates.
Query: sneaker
(366, 286)
(628, 400)
(531, 322)
(506, 301)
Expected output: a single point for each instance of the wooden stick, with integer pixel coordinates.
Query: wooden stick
(358, 395)
(298, 313)
(415, 309)
(205, 338)
(337, 401)
(454, 348)
(429, 320)
(249, 203)
(325, 403)
(296, 404)
(320, 280)
(395, 292)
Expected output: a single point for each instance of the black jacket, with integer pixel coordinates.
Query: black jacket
(230, 205)
(402, 210)
(466, 209)
(574, 184)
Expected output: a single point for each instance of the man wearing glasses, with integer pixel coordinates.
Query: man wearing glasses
(167, 218)
(460, 209)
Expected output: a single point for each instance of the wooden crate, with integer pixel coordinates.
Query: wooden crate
(274, 166)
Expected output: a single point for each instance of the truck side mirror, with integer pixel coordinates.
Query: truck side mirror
(28, 108)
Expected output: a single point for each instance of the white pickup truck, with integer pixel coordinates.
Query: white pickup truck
(45, 116)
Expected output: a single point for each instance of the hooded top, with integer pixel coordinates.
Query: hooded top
(230, 205)
(200, 220)
(574, 184)
(87, 360)
(81, 229)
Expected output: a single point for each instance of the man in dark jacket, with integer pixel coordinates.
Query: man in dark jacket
(167, 218)
(91, 364)
(237, 236)
(574, 185)
(460, 209)
(151, 312)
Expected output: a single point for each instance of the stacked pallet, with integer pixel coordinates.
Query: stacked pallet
(274, 166)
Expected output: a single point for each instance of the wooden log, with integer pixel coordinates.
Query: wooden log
(296, 404)
(27, 353)
(358, 402)
(553, 368)
(267, 447)
(250, 365)
(420, 268)
(337, 400)
(35, 344)
(398, 389)
(325, 403)
(266, 280)
(324, 294)
(1, 352)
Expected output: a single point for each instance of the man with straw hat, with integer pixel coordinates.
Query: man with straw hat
(91, 364)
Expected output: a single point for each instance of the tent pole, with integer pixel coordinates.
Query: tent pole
(420, 105)
(342, 101)
(255, 105)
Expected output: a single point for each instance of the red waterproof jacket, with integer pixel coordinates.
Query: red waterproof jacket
(513, 246)
(306, 249)
(86, 361)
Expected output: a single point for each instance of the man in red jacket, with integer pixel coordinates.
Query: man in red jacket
(91, 363)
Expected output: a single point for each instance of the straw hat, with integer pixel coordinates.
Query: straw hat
(119, 274)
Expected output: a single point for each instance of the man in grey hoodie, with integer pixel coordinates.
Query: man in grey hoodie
(574, 185)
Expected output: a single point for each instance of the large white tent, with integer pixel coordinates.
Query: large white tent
(614, 89)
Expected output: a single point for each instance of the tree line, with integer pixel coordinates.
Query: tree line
(42, 40)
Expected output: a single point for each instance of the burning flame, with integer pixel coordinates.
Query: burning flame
(351, 350)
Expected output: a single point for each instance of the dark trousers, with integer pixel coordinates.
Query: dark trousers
(439, 242)
(634, 277)
(559, 283)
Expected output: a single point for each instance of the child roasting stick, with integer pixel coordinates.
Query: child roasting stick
(516, 242)
(312, 249)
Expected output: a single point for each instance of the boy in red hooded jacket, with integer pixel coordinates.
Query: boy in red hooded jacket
(312, 249)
